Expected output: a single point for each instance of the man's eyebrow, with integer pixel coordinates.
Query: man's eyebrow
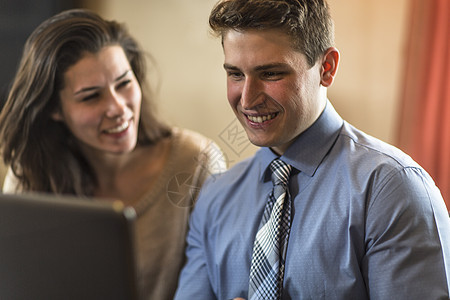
(257, 68)
(230, 67)
(270, 66)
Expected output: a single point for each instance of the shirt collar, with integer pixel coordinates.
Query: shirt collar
(311, 146)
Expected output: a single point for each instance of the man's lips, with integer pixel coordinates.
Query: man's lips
(261, 118)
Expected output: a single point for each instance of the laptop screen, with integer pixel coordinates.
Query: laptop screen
(61, 247)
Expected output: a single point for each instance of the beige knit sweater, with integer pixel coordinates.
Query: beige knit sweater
(163, 213)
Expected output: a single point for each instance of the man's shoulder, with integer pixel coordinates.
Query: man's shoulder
(237, 172)
(243, 173)
(373, 150)
(223, 189)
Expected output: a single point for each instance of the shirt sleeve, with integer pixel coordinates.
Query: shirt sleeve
(194, 282)
(407, 239)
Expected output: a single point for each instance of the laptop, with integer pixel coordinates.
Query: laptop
(62, 247)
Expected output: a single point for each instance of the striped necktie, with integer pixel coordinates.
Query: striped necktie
(269, 249)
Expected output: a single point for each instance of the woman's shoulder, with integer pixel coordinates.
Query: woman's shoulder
(3, 171)
(10, 183)
(190, 139)
(189, 143)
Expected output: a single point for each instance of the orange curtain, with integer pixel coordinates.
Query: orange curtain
(424, 129)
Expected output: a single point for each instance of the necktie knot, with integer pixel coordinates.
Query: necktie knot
(280, 172)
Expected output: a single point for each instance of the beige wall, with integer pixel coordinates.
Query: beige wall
(369, 35)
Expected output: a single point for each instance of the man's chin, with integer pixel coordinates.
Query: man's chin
(259, 142)
(277, 147)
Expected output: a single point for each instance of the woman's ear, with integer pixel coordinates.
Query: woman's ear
(330, 62)
(57, 116)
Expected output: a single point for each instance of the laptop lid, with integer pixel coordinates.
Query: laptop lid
(61, 247)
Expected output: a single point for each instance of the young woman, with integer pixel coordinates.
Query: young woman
(78, 121)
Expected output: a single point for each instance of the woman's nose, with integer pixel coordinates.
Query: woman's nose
(115, 105)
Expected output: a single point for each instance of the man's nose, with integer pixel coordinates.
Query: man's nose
(251, 92)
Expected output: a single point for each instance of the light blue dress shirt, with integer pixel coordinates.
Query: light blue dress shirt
(368, 222)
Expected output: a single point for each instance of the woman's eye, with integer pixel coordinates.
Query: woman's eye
(123, 83)
(90, 97)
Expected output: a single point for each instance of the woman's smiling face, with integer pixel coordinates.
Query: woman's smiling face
(101, 101)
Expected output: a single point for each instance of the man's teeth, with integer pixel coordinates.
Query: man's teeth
(260, 119)
(118, 128)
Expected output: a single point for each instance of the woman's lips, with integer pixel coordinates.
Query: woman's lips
(122, 127)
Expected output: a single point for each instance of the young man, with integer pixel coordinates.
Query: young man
(363, 219)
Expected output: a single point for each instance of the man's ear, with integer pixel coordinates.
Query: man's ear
(330, 62)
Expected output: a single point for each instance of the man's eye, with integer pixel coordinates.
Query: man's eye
(273, 75)
(235, 75)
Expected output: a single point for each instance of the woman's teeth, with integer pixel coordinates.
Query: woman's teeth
(118, 129)
(261, 119)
